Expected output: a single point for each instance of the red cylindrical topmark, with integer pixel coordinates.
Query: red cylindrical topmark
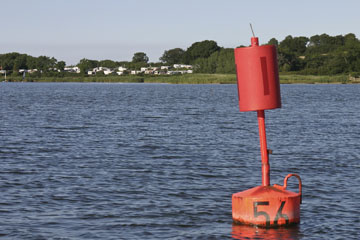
(257, 77)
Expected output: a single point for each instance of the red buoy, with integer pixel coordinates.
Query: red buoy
(257, 77)
(267, 206)
(259, 89)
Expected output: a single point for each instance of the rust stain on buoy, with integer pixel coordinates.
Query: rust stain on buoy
(259, 89)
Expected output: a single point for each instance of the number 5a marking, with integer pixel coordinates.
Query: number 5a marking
(279, 213)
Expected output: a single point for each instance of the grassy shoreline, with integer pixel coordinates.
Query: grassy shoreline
(196, 78)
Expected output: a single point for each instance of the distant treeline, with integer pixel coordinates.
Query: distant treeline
(317, 55)
(13, 62)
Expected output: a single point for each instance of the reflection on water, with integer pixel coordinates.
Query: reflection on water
(253, 232)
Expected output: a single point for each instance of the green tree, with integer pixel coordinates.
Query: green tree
(20, 62)
(108, 64)
(205, 65)
(45, 63)
(200, 50)
(273, 41)
(295, 45)
(323, 44)
(225, 61)
(173, 56)
(60, 65)
(8, 59)
(291, 53)
(219, 62)
(350, 52)
(288, 61)
(85, 65)
(140, 57)
(31, 62)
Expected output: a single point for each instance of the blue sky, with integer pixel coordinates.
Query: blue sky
(115, 29)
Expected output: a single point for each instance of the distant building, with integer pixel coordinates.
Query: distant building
(72, 69)
(182, 66)
(122, 69)
(108, 72)
(134, 72)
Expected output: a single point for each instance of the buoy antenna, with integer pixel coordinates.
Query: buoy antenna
(252, 30)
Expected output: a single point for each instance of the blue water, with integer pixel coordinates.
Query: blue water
(152, 161)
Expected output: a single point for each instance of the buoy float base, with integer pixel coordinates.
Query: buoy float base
(266, 206)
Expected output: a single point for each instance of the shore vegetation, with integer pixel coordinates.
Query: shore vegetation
(196, 78)
(316, 59)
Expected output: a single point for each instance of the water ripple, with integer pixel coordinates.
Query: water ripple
(111, 161)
